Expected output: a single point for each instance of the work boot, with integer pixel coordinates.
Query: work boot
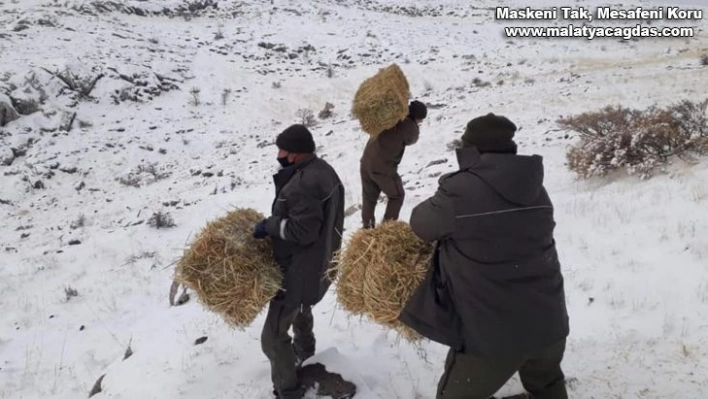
(296, 394)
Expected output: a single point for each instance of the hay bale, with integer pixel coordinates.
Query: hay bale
(382, 100)
(378, 272)
(232, 273)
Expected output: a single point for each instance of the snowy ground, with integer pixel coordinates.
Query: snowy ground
(634, 253)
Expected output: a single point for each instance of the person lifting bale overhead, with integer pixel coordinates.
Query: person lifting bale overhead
(381, 105)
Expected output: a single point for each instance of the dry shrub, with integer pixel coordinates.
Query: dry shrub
(378, 272)
(637, 141)
(232, 273)
(382, 100)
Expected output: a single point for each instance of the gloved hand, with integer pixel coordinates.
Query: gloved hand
(259, 231)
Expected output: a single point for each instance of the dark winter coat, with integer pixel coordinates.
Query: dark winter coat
(383, 153)
(306, 228)
(495, 289)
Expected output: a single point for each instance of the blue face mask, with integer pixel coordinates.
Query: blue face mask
(284, 161)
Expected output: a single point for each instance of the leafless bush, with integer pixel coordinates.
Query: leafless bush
(225, 96)
(195, 100)
(635, 140)
(79, 222)
(142, 255)
(477, 82)
(307, 117)
(326, 111)
(219, 33)
(70, 293)
(161, 220)
(277, 85)
(143, 173)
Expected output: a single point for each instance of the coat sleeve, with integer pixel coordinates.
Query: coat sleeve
(434, 218)
(411, 135)
(303, 224)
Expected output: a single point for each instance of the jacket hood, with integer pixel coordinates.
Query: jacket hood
(517, 178)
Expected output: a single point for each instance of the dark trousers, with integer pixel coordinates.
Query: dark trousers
(283, 352)
(472, 377)
(372, 184)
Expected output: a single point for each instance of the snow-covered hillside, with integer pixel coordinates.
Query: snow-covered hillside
(135, 107)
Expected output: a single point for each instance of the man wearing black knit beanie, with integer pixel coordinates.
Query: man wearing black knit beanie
(306, 228)
(494, 293)
(379, 165)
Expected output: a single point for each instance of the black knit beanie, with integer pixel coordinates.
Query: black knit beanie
(490, 133)
(297, 139)
(417, 110)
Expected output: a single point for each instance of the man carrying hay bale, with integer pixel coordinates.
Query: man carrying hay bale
(495, 292)
(306, 229)
(379, 165)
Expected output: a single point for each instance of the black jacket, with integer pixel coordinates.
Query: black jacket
(498, 270)
(306, 228)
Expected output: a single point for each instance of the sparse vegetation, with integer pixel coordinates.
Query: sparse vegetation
(704, 60)
(195, 93)
(306, 117)
(79, 222)
(161, 220)
(277, 85)
(142, 255)
(477, 82)
(326, 111)
(637, 141)
(143, 174)
(225, 94)
(70, 293)
(219, 33)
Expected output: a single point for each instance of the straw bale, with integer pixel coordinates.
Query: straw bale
(232, 273)
(379, 270)
(382, 100)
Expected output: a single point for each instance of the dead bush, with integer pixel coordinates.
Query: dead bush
(477, 82)
(637, 141)
(195, 100)
(79, 222)
(70, 293)
(225, 94)
(219, 33)
(143, 175)
(306, 117)
(327, 111)
(161, 220)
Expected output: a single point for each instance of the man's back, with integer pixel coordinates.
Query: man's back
(498, 253)
(384, 153)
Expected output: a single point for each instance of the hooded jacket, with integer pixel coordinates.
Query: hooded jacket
(496, 270)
